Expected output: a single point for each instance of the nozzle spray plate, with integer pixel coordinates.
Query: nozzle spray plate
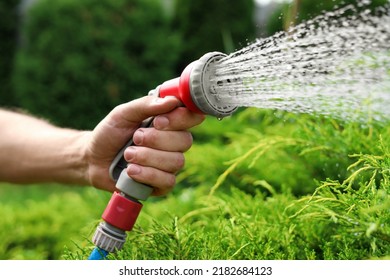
(202, 91)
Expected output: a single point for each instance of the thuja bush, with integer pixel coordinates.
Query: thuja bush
(282, 149)
(81, 58)
(260, 185)
(336, 221)
(39, 221)
(287, 189)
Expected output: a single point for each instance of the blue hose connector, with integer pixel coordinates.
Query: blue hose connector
(98, 254)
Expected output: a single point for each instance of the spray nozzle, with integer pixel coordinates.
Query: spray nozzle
(195, 89)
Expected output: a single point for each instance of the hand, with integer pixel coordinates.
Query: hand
(158, 152)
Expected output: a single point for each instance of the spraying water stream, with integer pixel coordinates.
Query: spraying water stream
(336, 65)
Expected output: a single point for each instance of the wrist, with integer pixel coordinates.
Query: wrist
(77, 159)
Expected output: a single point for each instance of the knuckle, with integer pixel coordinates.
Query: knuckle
(151, 137)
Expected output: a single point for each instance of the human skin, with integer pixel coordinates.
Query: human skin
(32, 150)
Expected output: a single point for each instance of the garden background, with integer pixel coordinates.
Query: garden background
(261, 184)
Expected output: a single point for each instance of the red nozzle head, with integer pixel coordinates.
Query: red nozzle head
(180, 88)
(195, 89)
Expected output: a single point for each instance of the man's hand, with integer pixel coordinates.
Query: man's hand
(35, 151)
(158, 151)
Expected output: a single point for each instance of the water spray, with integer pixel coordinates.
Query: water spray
(195, 90)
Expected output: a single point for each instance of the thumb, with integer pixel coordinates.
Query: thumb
(134, 112)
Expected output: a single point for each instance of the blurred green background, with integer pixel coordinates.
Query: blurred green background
(72, 61)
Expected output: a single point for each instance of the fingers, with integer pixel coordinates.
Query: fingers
(157, 157)
(153, 167)
(161, 181)
(157, 154)
(165, 161)
(179, 119)
(172, 141)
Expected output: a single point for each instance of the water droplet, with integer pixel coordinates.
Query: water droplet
(330, 65)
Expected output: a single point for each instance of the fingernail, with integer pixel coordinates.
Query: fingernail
(130, 153)
(161, 122)
(167, 99)
(133, 169)
(159, 100)
(138, 137)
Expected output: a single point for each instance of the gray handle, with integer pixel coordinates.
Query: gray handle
(132, 188)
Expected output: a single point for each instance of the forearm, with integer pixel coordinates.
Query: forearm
(32, 150)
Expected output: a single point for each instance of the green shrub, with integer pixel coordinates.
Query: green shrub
(265, 185)
(282, 149)
(81, 58)
(39, 222)
(335, 222)
(272, 185)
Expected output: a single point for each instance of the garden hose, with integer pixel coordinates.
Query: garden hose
(195, 90)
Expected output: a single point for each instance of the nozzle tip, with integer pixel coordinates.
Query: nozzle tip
(202, 92)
